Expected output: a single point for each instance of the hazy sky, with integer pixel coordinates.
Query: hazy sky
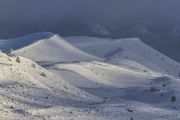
(116, 10)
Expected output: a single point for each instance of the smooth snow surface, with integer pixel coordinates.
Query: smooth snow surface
(87, 78)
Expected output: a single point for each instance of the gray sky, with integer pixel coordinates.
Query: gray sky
(108, 10)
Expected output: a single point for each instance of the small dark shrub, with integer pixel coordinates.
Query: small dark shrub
(18, 60)
(164, 85)
(145, 70)
(33, 65)
(130, 110)
(154, 89)
(65, 87)
(43, 74)
(173, 99)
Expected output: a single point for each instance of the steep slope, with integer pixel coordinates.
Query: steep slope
(54, 49)
(24, 86)
(129, 52)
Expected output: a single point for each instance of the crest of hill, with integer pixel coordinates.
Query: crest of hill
(45, 47)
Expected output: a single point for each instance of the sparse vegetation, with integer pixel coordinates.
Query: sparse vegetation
(163, 85)
(33, 65)
(43, 74)
(65, 87)
(126, 57)
(130, 110)
(154, 89)
(145, 70)
(173, 99)
(18, 59)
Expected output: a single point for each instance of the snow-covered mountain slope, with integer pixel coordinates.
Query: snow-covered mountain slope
(131, 52)
(127, 80)
(24, 85)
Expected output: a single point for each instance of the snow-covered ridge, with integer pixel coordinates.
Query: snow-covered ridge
(54, 49)
(45, 47)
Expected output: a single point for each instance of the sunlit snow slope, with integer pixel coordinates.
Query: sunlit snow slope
(24, 85)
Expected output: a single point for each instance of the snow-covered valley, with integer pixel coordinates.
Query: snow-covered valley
(86, 78)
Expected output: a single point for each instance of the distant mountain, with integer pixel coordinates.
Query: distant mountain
(162, 37)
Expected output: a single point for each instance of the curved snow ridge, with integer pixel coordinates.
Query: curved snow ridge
(20, 42)
(106, 74)
(54, 49)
